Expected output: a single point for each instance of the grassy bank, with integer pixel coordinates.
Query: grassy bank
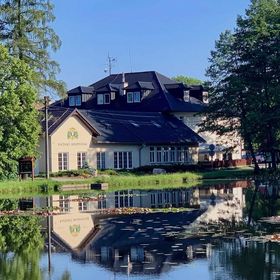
(127, 181)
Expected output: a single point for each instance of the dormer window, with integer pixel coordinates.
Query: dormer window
(134, 97)
(205, 97)
(75, 100)
(107, 98)
(186, 95)
(103, 98)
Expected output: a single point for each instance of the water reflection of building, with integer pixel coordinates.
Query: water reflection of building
(121, 199)
(201, 196)
(139, 243)
(223, 202)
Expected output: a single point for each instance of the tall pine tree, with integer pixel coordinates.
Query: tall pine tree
(25, 31)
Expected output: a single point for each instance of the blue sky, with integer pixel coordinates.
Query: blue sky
(173, 37)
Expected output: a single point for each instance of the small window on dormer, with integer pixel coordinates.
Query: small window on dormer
(205, 97)
(100, 99)
(137, 96)
(107, 98)
(78, 100)
(134, 97)
(130, 97)
(71, 100)
(186, 95)
(75, 100)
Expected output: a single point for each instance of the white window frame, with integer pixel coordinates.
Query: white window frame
(81, 159)
(123, 160)
(100, 160)
(167, 155)
(64, 161)
(152, 154)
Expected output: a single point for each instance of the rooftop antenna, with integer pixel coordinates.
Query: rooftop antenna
(130, 61)
(110, 64)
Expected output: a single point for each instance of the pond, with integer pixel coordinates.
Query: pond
(194, 233)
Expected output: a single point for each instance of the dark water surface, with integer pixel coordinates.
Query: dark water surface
(184, 233)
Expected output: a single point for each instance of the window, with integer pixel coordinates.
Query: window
(166, 197)
(71, 100)
(186, 95)
(100, 160)
(169, 154)
(122, 160)
(134, 97)
(78, 100)
(165, 154)
(205, 97)
(64, 203)
(159, 198)
(100, 99)
(62, 161)
(137, 97)
(172, 154)
(83, 205)
(81, 159)
(158, 154)
(103, 98)
(107, 98)
(153, 199)
(130, 97)
(179, 154)
(75, 100)
(152, 154)
(186, 156)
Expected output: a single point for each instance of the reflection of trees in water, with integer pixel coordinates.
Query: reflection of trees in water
(233, 260)
(262, 200)
(21, 244)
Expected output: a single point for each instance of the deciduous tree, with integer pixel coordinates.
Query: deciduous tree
(19, 126)
(244, 80)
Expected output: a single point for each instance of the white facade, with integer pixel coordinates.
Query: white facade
(73, 144)
(192, 120)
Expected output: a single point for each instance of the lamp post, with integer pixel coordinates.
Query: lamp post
(46, 101)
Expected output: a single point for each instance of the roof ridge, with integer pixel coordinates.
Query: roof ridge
(162, 88)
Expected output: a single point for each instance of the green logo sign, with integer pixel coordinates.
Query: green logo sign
(72, 134)
(75, 230)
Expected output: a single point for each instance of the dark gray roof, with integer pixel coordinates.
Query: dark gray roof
(140, 85)
(108, 88)
(139, 128)
(57, 115)
(160, 99)
(81, 89)
(129, 128)
(165, 95)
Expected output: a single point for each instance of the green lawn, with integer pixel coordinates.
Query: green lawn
(121, 182)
